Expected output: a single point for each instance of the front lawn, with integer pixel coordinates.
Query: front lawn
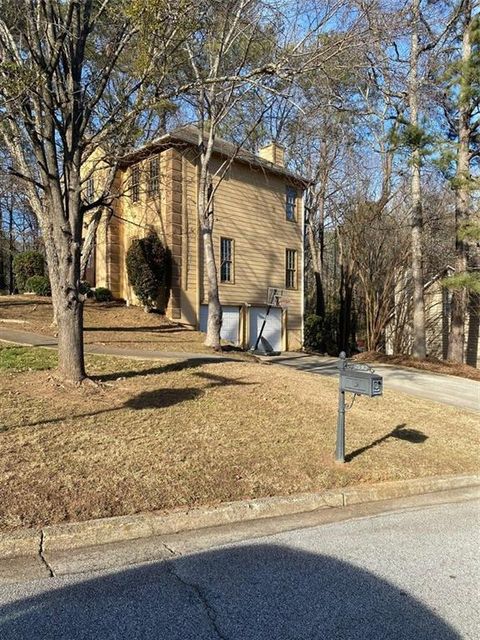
(186, 433)
(112, 323)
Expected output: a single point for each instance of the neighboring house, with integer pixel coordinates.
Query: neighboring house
(437, 320)
(258, 235)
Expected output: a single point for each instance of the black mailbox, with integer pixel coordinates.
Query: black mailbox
(361, 382)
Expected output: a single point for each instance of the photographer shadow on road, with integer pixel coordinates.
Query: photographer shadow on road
(239, 593)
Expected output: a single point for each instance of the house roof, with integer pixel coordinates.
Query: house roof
(188, 136)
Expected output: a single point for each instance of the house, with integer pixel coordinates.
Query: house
(258, 235)
(398, 333)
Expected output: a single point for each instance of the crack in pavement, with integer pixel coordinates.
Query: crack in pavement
(41, 553)
(195, 588)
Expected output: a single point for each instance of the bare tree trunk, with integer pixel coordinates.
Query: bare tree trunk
(205, 215)
(419, 333)
(11, 249)
(456, 338)
(2, 253)
(89, 240)
(214, 324)
(315, 252)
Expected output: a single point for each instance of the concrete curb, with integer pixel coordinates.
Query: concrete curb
(76, 535)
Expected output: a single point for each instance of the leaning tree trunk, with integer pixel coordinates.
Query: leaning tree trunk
(419, 333)
(456, 338)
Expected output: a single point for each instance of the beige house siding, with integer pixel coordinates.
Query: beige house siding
(249, 208)
(437, 321)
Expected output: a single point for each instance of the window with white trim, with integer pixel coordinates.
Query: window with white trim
(291, 269)
(226, 260)
(90, 190)
(135, 183)
(153, 176)
(291, 203)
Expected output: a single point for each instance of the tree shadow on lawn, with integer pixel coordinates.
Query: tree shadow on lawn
(400, 432)
(188, 363)
(247, 592)
(155, 399)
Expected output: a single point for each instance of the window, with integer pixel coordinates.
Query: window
(90, 190)
(290, 203)
(291, 269)
(153, 176)
(135, 183)
(226, 260)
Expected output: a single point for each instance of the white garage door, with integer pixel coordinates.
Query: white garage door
(271, 339)
(230, 323)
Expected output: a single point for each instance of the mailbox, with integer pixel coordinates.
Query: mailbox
(361, 382)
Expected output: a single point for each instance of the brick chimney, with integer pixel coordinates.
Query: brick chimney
(274, 153)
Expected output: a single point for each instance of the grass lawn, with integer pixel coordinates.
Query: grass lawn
(185, 434)
(113, 324)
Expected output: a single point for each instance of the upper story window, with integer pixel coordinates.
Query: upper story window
(135, 183)
(153, 176)
(90, 190)
(290, 203)
(226, 260)
(291, 269)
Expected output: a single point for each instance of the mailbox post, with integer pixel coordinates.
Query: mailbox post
(340, 449)
(359, 379)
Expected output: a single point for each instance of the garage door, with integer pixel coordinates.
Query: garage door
(271, 339)
(230, 323)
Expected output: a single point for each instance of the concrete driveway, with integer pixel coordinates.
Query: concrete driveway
(458, 392)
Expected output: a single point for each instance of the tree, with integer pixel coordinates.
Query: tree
(60, 101)
(419, 332)
(465, 284)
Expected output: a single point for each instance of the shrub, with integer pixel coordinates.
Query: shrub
(39, 285)
(26, 265)
(320, 332)
(102, 294)
(147, 268)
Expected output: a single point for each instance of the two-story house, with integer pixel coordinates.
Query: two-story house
(258, 235)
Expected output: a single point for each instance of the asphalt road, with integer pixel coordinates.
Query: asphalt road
(451, 390)
(411, 574)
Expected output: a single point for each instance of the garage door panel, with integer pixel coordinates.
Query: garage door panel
(271, 339)
(230, 330)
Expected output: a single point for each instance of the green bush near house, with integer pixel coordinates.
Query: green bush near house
(319, 333)
(27, 265)
(39, 285)
(148, 265)
(102, 294)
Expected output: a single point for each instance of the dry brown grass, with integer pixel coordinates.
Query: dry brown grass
(433, 365)
(160, 437)
(113, 324)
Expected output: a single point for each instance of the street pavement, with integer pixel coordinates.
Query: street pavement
(451, 390)
(408, 574)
